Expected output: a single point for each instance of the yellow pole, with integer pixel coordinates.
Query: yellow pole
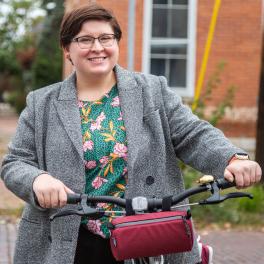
(206, 53)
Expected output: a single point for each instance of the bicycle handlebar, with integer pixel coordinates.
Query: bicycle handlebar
(144, 204)
(154, 202)
(224, 184)
(77, 197)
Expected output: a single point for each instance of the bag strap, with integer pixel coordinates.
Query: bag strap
(166, 203)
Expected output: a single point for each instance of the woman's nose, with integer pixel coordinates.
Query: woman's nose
(97, 46)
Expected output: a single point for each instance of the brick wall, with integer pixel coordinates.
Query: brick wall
(237, 41)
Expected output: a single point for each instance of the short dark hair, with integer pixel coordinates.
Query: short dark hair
(72, 21)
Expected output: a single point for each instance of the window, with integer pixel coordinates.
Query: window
(169, 42)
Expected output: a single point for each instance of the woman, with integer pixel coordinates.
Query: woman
(104, 131)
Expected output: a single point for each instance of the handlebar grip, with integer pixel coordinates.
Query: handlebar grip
(224, 184)
(73, 198)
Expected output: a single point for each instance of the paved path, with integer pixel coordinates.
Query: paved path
(8, 125)
(8, 201)
(8, 232)
(235, 247)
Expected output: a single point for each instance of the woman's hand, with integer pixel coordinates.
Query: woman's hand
(244, 172)
(50, 192)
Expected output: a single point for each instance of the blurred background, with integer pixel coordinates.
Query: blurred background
(211, 52)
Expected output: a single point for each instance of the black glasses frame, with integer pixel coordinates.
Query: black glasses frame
(93, 40)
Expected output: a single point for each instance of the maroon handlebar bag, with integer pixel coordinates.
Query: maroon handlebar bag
(151, 234)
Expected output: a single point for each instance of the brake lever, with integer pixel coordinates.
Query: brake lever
(221, 198)
(217, 198)
(84, 210)
(238, 195)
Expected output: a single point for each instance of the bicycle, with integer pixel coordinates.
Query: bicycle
(155, 221)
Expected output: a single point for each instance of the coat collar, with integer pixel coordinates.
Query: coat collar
(131, 102)
(68, 89)
(130, 94)
(68, 111)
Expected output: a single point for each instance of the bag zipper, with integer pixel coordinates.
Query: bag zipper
(187, 227)
(149, 221)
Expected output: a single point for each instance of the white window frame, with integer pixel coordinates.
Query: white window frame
(187, 91)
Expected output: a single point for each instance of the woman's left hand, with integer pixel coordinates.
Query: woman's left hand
(244, 172)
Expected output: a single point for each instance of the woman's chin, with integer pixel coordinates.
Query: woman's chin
(100, 71)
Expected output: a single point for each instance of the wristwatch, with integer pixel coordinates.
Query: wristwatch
(239, 156)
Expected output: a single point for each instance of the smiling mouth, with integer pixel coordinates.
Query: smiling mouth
(97, 59)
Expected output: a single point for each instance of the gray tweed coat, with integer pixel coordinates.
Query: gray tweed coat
(160, 130)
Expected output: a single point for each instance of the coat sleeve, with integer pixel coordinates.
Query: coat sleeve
(196, 142)
(20, 165)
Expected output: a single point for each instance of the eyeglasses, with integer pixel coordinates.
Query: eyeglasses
(86, 42)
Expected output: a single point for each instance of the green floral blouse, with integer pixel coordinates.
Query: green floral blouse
(105, 153)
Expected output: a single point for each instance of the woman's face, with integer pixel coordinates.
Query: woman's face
(96, 60)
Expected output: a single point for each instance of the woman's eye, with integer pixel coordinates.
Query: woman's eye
(85, 40)
(105, 38)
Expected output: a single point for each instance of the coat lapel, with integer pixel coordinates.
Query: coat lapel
(67, 108)
(130, 94)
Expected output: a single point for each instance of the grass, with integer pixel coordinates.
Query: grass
(13, 213)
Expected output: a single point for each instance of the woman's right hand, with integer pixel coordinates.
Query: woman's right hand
(50, 192)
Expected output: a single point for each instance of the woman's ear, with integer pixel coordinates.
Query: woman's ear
(67, 54)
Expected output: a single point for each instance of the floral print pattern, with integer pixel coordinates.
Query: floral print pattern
(88, 145)
(95, 227)
(98, 181)
(115, 102)
(97, 123)
(90, 164)
(105, 154)
(120, 150)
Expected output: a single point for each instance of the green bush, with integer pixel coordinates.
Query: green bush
(253, 206)
(33, 59)
(17, 99)
(47, 66)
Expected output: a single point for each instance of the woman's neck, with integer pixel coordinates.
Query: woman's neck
(91, 89)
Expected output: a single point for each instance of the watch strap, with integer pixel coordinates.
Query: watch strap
(239, 156)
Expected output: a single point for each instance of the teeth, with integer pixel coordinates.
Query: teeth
(97, 59)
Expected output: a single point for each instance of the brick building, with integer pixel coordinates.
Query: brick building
(168, 37)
